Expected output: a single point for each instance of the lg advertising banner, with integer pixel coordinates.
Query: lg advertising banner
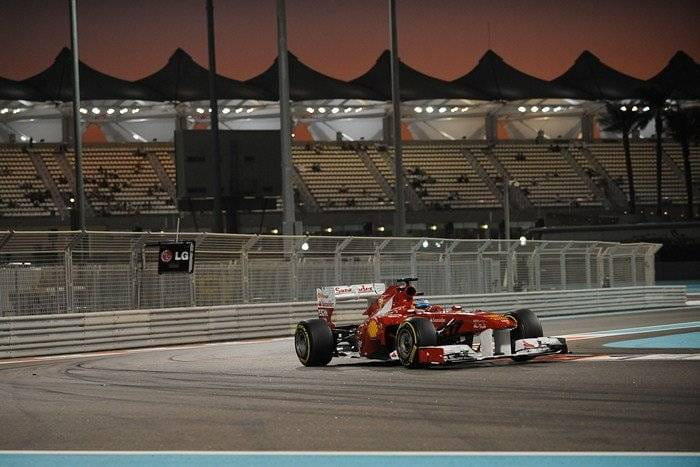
(176, 257)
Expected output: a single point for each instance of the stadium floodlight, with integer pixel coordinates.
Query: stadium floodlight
(23, 138)
(557, 108)
(4, 110)
(209, 110)
(534, 108)
(442, 110)
(522, 109)
(250, 110)
(83, 110)
(429, 109)
(425, 244)
(433, 227)
(359, 109)
(645, 109)
(305, 246)
(523, 241)
(71, 200)
(381, 228)
(239, 110)
(135, 110)
(484, 226)
(200, 110)
(634, 108)
(623, 108)
(454, 109)
(274, 231)
(225, 110)
(329, 229)
(321, 110)
(347, 110)
(335, 110)
(110, 111)
(310, 110)
(136, 137)
(418, 109)
(465, 109)
(123, 110)
(96, 110)
(545, 109)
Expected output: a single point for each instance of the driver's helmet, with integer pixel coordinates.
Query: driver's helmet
(422, 303)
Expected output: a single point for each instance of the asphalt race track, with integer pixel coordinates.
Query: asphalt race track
(257, 396)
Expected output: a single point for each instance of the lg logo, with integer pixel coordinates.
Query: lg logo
(167, 256)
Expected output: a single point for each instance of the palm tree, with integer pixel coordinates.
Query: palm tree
(621, 119)
(655, 99)
(684, 126)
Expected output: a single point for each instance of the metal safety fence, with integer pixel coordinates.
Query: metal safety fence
(86, 271)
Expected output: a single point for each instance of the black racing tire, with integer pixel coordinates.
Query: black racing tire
(529, 326)
(414, 333)
(314, 342)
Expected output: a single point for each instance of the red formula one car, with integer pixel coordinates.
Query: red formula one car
(400, 325)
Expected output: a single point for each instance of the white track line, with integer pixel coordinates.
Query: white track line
(130, 351)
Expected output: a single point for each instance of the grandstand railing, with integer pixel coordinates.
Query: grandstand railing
(74, 271)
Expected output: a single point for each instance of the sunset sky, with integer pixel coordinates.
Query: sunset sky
(343, 38)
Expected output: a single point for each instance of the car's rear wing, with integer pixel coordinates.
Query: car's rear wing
(326, 297)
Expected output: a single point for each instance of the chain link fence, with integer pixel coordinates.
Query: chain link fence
(65, 272)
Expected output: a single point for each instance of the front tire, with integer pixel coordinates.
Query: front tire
(529, 326)
(412, 334)
(314, 343)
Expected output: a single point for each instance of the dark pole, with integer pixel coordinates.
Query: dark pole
(659, 127)
(288, 207)
(214, 121)
(399, 194)
(77, 135)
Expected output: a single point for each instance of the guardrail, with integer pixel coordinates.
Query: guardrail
(23, 336)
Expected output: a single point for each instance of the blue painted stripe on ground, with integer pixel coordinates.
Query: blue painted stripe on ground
(343, 460)
(692, 285)
(645, 329)
(598, 314)
(689, 340)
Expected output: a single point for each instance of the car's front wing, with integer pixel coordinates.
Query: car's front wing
(532, 347)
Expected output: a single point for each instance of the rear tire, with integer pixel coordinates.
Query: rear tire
(528, 326)
(314, 342)
(412, 334)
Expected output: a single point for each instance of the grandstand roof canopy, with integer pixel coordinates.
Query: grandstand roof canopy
(307, 84)
(414, 85)
(15, 91)
(597, 81)
(493, 77)
(680, 78)
(56, 83)
(184, 80)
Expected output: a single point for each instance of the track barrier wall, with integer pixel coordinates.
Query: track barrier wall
(22, 336)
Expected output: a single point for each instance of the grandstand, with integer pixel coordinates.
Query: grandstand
(132, 179)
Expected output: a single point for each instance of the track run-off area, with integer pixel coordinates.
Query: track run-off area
(628, 385)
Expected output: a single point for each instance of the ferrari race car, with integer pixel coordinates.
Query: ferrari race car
(399, 324)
